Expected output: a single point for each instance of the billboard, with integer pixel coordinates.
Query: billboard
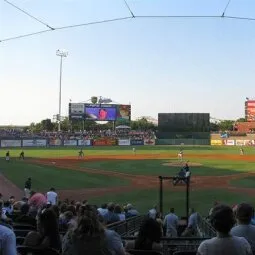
(76, 111)
(10, 143)
(124, 142)
(123, 112)
(70, 142)
(99, 112)
(250, 110)
(84, 142)
(34, 143)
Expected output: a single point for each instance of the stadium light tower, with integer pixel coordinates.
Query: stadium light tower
(62, 54)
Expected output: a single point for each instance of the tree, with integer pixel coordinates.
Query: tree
(47, 125)
(142, 124)
(241, 120)
(226, 125)
(214, 126)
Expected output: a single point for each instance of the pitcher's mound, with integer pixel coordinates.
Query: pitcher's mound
(180, 164)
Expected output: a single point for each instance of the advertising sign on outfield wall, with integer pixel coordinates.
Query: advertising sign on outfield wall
(34, 143)
(137, 142)
(104, 142)
(123, 142)
(70, 142)
(216, 142)
(229, 142)
(55, 142)
(239, 142)
(149, 141)
(10, 143)
(84, 142)
(248, 142)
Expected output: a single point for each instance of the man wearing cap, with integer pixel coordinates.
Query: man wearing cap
(244, 229)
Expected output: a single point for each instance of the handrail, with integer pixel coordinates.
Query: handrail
(127, 227)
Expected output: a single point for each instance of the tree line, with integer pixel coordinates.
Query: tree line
(141, 124)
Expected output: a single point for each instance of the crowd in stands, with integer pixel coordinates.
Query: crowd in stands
(86, 134)
(77, 227)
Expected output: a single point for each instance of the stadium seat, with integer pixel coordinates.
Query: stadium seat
(144, 252)
(21, 232)
(20, 240)
(23, 226)
(26, 250)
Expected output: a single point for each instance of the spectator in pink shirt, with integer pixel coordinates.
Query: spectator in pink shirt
(37, 200)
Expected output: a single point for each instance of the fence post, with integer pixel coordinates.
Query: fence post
(161, 194)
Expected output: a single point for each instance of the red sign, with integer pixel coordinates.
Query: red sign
(104, 142)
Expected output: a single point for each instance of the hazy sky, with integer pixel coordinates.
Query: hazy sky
(159, 65)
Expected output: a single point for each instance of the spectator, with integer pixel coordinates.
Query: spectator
(244, 229)
(191, 229)
(52, 196)
(90, 237)
(148, 237)
(131, 211)
(48, 234)
(214, 205)
(171, 224)
(37, 200)
(7, 208)
(110, 216)
(103, 209)
(118, 211)
(222, 219)
(24, 216)
(63, 208)
(7, 241)
(153, 212)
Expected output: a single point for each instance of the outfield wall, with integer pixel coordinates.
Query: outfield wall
(12, 143)
(183, 141)
(232, 142)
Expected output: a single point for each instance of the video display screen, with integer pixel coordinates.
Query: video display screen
(100, 113)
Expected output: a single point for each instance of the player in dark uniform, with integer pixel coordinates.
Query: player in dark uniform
(81, 154)
(22, 155)
(7, 156)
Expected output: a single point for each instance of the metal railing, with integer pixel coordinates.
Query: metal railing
(171, 245)
(128, 227)
(204, 228)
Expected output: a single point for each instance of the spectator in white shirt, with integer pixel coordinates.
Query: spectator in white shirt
(52, 196)
(171, 224)
(153, 212)
(222, 219)
(7, 241)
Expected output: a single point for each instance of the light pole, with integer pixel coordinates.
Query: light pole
(61, 54)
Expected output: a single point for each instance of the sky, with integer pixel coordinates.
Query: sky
(156, 64)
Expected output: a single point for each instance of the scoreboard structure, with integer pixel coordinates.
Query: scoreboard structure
(250, 110)
(99, 112)
(184, 125)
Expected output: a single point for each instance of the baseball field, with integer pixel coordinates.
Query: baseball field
(116, 174)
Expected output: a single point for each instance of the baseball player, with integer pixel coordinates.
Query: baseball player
(241, 151)
(7, 156)
(81, 154)
(180, 155)
(134, 150)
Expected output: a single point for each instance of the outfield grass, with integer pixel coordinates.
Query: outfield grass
(155, 167)
(246, 182)
(120, 150)
(202, 201)
(45, 177)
